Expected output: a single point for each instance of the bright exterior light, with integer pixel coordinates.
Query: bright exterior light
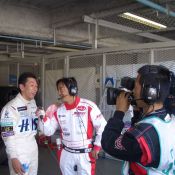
(142, 20)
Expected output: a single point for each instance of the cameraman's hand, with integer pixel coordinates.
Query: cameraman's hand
(122, 103)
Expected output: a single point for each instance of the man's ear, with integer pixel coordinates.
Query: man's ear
(21, 87)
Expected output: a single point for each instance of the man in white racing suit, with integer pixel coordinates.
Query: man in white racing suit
(19, 127)
(76, 118)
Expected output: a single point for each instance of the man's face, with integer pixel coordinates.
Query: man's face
(63, 91)
(29, 89)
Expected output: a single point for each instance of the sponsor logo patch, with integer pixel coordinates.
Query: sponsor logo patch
(7, 134)
(81, 108)
(118, 143)
(66, 134)
(7, 131)
(22, 108)
(6, 114)
(79, 113)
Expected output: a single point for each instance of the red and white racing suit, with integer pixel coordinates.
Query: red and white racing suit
(18, 130)
(77, 123)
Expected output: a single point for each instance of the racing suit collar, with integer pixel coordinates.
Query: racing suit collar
(73, 105)
(23, 99)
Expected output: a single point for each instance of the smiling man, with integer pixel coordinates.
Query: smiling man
(19, 127)
(77, 118)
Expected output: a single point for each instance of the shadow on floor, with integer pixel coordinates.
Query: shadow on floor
(48, 165)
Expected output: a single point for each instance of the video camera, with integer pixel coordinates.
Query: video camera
(127, 85)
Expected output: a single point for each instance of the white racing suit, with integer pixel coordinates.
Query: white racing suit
(18, 130)
(77, 123)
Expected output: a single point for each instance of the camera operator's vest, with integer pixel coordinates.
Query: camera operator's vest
(165, 131)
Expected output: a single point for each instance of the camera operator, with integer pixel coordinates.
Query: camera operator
(148, 147)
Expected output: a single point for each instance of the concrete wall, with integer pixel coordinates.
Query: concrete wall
(21, 20)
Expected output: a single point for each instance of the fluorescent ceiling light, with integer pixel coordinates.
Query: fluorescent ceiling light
(142, 20)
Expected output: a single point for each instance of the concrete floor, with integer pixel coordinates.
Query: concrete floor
(48, 165)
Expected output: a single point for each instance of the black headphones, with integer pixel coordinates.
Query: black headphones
(72, 86)
(150, 92)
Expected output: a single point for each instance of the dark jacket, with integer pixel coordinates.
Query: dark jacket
(128, 146)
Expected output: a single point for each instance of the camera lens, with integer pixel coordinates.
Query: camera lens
(112, 94)
(127, 84)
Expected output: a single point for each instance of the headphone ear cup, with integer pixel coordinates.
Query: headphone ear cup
(72, 87)
(150, 94)
(73, 90)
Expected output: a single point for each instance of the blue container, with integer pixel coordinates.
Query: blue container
(25, 167)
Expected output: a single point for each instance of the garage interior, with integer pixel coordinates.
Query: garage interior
(91, 40)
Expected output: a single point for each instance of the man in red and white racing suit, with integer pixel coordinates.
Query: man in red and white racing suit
(77, 118)
(19, 127)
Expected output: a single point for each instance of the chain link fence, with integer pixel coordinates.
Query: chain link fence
(93, 70)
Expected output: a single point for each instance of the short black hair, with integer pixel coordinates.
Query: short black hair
(67, 81)
(24, 76)
(156, 75)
